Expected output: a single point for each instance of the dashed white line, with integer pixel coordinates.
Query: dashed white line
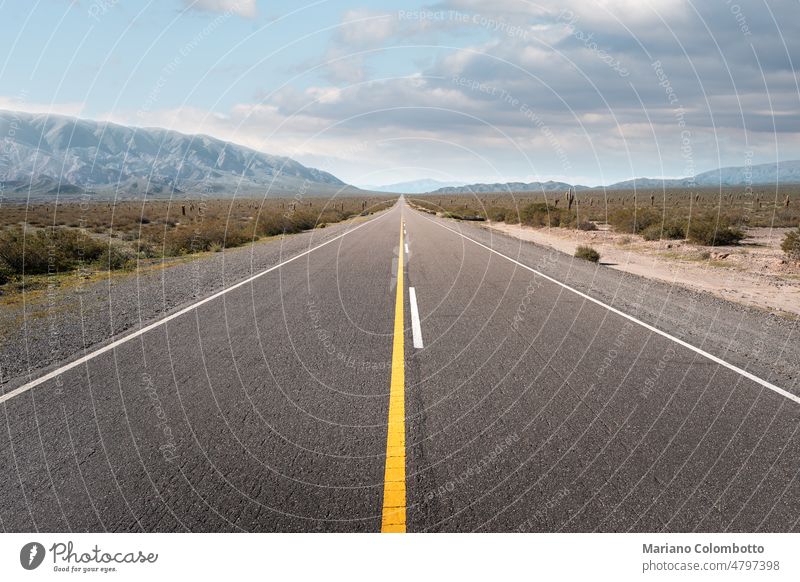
(406, 245)
(107, 348)
(416, 327)
(705, 354)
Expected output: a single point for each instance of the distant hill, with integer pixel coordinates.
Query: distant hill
(50, 155)
(780, 173)
(762, 174)
(650, 184)
(413, 187)
(509, 187)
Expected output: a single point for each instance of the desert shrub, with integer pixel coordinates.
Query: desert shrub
(791, 244)
(497, 214)
(147, 250)
(587, 254)
(652, 232)
(272, 224)
(674, 229)
(541, 214)
(633, 221)
(184, 241)
(115, 258)
(300, 221)
(49, 250)
(6, 273)
(587, 225)
(535, 214)
(710, 230)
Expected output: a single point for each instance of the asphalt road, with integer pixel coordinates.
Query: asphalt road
(529, 408)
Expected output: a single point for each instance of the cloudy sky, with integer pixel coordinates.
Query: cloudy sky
(588, 91)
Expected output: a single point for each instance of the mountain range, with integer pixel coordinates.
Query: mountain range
(549, 186)
(51, 154)
(787, 172)
(414, 186)
(47, 155)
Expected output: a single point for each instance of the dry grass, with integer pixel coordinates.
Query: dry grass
(706, 216)
(61, 237)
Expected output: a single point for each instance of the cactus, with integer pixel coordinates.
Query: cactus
(569, 196)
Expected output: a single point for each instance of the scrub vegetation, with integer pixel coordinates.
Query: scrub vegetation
(710, 217)
(53, 237)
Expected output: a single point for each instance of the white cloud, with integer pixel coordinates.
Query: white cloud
(243, 8)
(20, 104)
(469, 111)
(367, 27)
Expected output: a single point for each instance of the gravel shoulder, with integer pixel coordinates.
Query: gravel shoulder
(72, 314)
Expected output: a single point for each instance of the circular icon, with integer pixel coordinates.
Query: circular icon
(31, 555)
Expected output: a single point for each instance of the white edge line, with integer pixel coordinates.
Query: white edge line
(107, 348)
(416, 327)
(678, 341)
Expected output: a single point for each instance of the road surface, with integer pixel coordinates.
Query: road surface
(405, 376)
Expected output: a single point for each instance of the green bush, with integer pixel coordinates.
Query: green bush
(672, 230)
(541, 214)
(115, 258)
(675, 229)
(48, 250)
(652, 232)
(498, 214)
(633, 221)
(791, 244)
(6, 273)
(587, 254)
(711, 230)
(294, 222)
(204, 237)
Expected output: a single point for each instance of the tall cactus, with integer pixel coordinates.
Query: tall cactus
(569, 196)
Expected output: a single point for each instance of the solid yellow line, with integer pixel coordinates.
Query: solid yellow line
(394, 480)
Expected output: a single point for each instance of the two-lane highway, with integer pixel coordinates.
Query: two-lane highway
(404, 376)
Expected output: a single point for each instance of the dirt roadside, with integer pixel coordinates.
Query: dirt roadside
(754, 273)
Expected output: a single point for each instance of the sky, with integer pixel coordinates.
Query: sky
(377, 92)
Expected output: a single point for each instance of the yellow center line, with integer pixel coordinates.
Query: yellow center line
(394, 480)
